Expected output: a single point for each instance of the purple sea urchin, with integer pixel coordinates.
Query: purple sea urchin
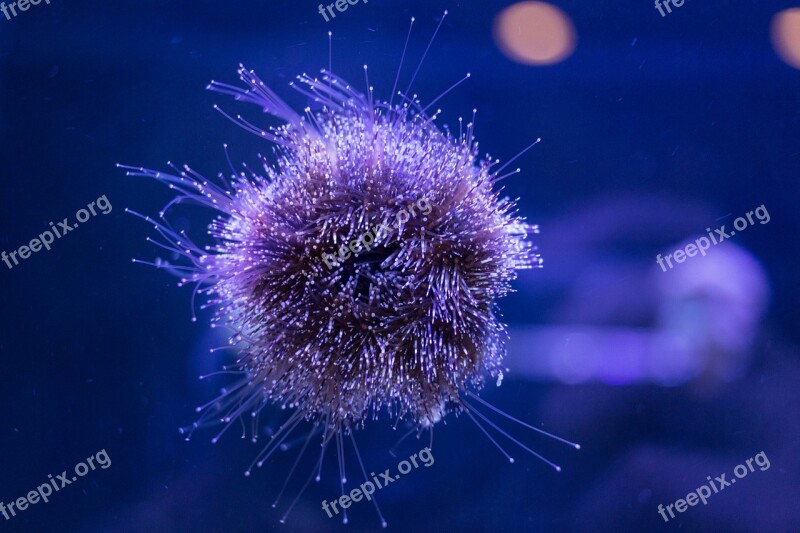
(407, 323)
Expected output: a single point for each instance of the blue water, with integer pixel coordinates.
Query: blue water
(653, 130)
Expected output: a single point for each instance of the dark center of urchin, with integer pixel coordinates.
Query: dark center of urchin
(367, 267)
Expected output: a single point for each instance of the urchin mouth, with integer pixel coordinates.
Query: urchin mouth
(366, 267)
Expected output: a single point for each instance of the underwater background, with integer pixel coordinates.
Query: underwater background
(653, 129)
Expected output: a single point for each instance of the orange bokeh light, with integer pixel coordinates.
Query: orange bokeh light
(535, 33)
(785, 34)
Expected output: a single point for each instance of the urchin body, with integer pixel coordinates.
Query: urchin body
(406, 325)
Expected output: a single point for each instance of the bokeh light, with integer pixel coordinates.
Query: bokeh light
(535, 33)
(785, 34)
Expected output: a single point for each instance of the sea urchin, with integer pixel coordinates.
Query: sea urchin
(406, 323)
